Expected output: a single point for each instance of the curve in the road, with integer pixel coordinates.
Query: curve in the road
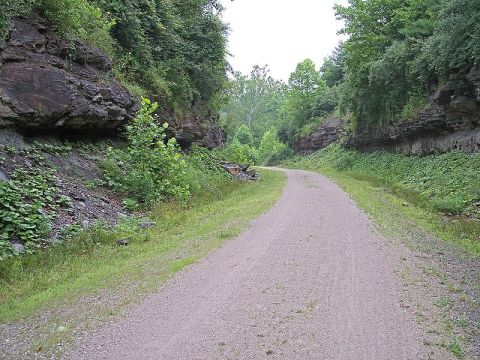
(307, 280)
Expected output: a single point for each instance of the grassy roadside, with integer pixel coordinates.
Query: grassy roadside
(93, 262)
(442, 283)
(441, 276)
(421, 189)
(385, 205)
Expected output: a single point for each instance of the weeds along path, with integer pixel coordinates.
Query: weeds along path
(308, 280)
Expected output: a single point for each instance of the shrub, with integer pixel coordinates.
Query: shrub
(244, 135)
(204, 172)
(449, 204)
(343, 163)
(29, 202)
(150, 168)
(240, 153)
(75, 19)
(280, 156)
(270, 147)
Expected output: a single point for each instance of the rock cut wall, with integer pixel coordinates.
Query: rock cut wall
(48, 83)
(450, 121)
(327, 133)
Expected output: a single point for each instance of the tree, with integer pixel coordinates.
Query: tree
(270, 146)
(244, 135)
(385, 39)
(455, 44)
(304, 86)
(333, 67)
(253, 101)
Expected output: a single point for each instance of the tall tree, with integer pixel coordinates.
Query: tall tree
(304, 86)
(254, 101)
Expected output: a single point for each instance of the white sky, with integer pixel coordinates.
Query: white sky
(280, 33)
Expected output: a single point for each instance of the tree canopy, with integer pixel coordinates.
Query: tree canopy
(398, 51)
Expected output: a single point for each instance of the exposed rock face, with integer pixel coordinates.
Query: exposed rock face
(329, 132)
(451, 121)
(47, 83)
(191, 130)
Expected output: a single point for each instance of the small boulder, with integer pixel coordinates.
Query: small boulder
(146, 224)
(122, 242)
(239, 172)
(17, 245)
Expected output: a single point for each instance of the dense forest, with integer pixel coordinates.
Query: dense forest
(396, 55)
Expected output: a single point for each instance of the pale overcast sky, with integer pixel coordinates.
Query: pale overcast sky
(280, 33)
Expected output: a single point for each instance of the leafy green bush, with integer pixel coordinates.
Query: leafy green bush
(29, 203)
(244, 135)
(240, 153)
(204, 172)
(280, 156)
(343, 163)
(149, 168)
(270, 147)
(75, 19)
(450, 204)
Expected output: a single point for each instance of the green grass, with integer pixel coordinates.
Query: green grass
(455, 348)
(92, 262)
(447, 182)
(402, 192)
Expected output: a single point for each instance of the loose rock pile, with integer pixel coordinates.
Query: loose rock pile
(240, 172)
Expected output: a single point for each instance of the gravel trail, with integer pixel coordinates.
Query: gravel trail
(307, 280)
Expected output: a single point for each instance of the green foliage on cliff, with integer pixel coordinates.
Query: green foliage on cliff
(174, 49)
(30, 200)
(399, 52)
(170, 50)
(74, 19)
(28, 204)
(152, 169)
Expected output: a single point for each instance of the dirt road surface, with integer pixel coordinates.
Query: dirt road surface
(307, 280)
